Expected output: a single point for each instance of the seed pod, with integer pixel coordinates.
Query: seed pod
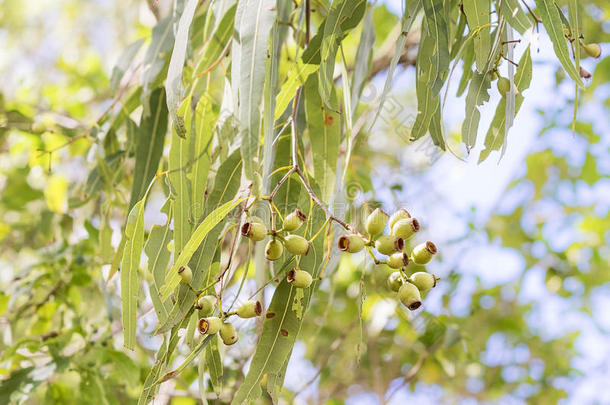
(294, 220)
(209, 326)
(388, 244)
(350, 243)
(186, 275)
(254, 218)
(299, 278)
(297, 245)
(254, 230)
(250, 309)
(394, 281)
(398, 215)
(593, 50)
(423, 281)
(503, 85)
(410, 297)
(228, 334)
(398, 260)
(205, 305)
(406, 228)
(274, 249)
(423, 253)
(375, 222)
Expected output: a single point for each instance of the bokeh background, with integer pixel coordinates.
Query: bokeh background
(522, 314)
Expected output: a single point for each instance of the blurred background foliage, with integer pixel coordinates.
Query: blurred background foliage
(519, 317)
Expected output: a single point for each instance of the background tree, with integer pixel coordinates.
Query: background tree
(117, 177)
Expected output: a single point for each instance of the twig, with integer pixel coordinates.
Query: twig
(529, 9)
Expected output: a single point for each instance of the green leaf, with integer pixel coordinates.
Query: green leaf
(407, 20)
(296, 78)
(514, 14)
(156, 58)
(173, 85)
(496, 134)
(191, 356)
(178, 164)
(150, 139)
(333, 34)
(437, 31)
(199, 234)
(324, 132)
(118, 71)
(215, 45)
(214, 365)
(478, 15)
(158, 259)
(252, 38)
(205, 120)
(205, 262)
(477, 95)
(551, 19)
(364, 55)
(134, 237)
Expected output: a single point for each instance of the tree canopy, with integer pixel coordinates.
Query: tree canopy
(194, 195)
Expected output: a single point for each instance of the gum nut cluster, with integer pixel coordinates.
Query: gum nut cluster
(255, 229)
(210, 325)
(402, 228)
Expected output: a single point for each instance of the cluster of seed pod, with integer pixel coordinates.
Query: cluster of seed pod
(209, 324)
(256, 230)
(402, 228)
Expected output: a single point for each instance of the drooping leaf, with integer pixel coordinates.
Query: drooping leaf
(252, 37)
(178, 165)
(205, 261)
(496, 134)
(340, 10)
(125, 60)
(173, 86)
(150, 138)
(324, 132)
(217, 43)
(205, 120)
(477, 95)
(213, 362)
(156, 59)
(514, 14)
(156, 250)
(134, 237)
(478, 14)
(173, 278)
(364, 55)
(551, 19)
(437, 28)
(408, 17)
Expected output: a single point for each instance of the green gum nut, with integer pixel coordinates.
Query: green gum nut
(297, 245)
(398, 260)
(350, 243)
(375, 222)
(274, 249)
(205, 305)
(423, 253)
(228, 334)
(209, 325)
(405, 228)
(388, 244)
(294, 220)
(503, 85)
(593, 50)
(255, 231)
(186, 275)
(410, 297)
(299, 278)
(398, 215)
(394, 281)
(250, 309)
(423, 281)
